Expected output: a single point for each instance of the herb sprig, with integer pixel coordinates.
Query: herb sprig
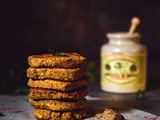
(140, 94)
(56, 53)
(1, 114)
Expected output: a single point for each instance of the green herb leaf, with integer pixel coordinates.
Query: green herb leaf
(1, 114)
(92, 70)
(140, 94)
(61, 53)
(56, 53)
(21, 90)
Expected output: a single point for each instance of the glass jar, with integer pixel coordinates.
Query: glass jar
(123, 63)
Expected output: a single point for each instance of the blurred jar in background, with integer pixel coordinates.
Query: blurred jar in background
(123, 63)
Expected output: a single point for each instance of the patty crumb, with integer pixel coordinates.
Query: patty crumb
(109, 114)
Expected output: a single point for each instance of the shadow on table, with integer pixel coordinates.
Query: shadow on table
(98, 106)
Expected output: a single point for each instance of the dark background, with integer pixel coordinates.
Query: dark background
(34, 26)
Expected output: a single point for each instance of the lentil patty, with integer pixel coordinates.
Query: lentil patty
(59, 105)
(57, 84)
(40, 93)
(44, 114)
(69, 60)
(56, 73)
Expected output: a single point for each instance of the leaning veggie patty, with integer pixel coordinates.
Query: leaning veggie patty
(56, 73)
(59, 105)
(40, 93)
(57, 84)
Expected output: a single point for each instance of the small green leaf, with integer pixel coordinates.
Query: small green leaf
(1, 114)
(56, 53)
(62, 53)
(91, 76)
(21, 90)
(140, 94)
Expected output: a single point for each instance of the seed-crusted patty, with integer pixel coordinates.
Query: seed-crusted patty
(57, 85)
(59, 105)
(40, 93)
(43, 114)
(56, 73)
(69, 60)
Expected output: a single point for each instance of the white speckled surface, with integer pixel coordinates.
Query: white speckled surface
(18, 108)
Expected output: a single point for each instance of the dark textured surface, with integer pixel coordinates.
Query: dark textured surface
(150, 103)
(17, 107)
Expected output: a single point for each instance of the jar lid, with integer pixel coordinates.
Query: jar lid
(123, 35)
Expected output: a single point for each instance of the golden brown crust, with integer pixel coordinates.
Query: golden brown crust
(56, 73)
(58, 105)
(40, 93)
(69, 60)
(57, 85)
(44, 114)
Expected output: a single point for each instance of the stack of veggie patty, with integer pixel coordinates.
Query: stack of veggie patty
(58, 86)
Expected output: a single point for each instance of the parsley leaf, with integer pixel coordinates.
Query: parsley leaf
(56, 53)
(61, 53)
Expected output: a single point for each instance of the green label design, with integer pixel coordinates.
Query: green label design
(123, 70)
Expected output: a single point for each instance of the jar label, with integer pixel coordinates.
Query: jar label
(123, 70)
